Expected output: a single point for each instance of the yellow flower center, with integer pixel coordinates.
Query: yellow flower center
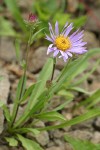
(62, 43)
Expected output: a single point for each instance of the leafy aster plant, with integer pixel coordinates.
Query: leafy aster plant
(39, 94)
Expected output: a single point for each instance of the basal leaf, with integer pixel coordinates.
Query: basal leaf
(12, 141)
(29, 144)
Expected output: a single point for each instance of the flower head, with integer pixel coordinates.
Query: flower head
(32, 18)
(63, 44)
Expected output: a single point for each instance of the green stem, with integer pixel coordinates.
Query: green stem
(17, 102)
(54, 65)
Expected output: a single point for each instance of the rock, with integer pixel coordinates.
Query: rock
(7, 49)
(56, 74)
(4, 86)
(54, 148)
(84, 125)
(68, 146)
(4, 92)
(14, 148)
(20, 111)
(50, 144)
(59, 143)
(96, 138)
(3, 147)
(43, 137)
(25, 4)
(81, 134)
(91, 23)
(97, 4)
(96, 124)
(56, 134)
(39, 124)
(90, 38)
(54, 102)
(39, 58)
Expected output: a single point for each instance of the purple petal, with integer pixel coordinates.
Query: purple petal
(50, 49)
(78, 50)
(55, 53)
(49, 39)
(63, 30)
(64, 58)
(65, 55)
(80, 44)
(56, 28)
(77, 37)
(62, 53)
(69, 28)
(73, 34)
(51, 31)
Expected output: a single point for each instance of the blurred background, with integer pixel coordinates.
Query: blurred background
(85, 14)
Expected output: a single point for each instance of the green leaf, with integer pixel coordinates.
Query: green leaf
(86, 75)
(85, 145)
(20, 91)
(35, 34)
(90, 114)
(6, 113)
(6, 28)
(50, 116)
(27, 130)
(62, 105)
(21, 87)
(79, 90)
(39, 88)
(29, 144)
(11, 141)
(27, 93)
(43, 77)
(65, 93)
(92, 100)
(38, 106)
(72, 70)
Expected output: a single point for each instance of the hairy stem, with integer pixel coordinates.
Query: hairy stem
(54, 65)
(17, 103)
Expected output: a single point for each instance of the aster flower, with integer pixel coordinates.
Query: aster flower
(63, 44)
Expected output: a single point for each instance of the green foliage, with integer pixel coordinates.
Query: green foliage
(6, 28)
(12, 141)
(38, 89)
(84, 145)
(50, 116)
(92, 100)
(90, 114)
(28, 144)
